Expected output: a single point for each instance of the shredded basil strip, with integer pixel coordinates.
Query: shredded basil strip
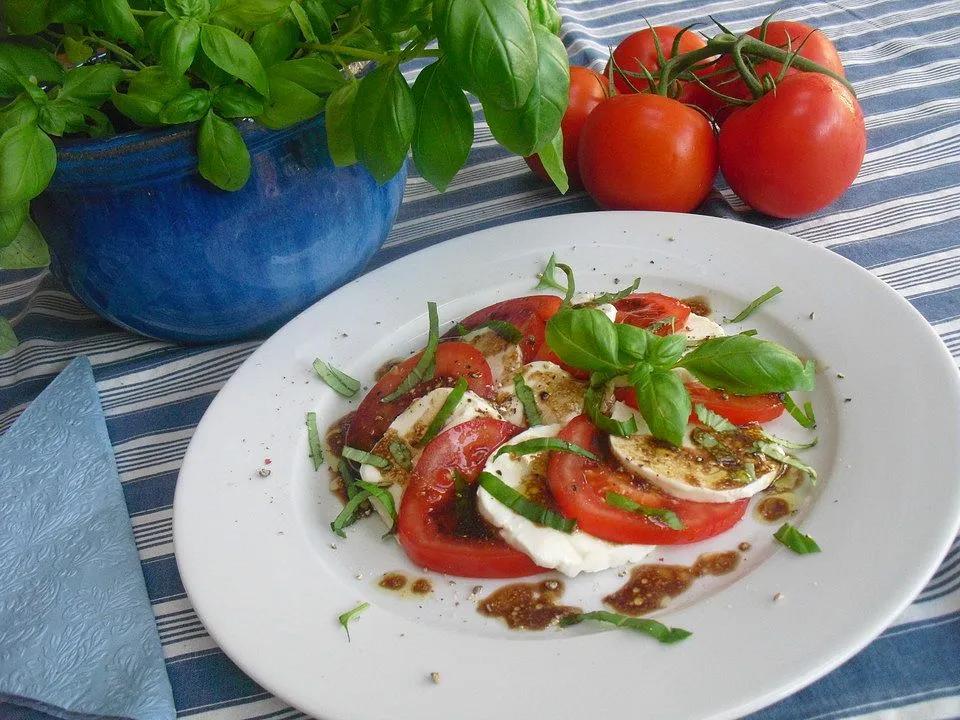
(525, 396)
(776, 453)
(571, 285)
(750, 332)
(507, 330)
(349, 615)
(713, 420)
(611, 298)
(795, 540)
(347, 477)
(591, 405)
(805, 420)
(426, 365)
(364, 458)
(381, 495)
(790, 444)
(348, 515)
(445, 411)
(339, 381)
(658, 324)
(668, 517)
(401, 454)
(808, 411)
(752, 307)
(535, 445)
(532, 511)
(654, 629)
(313, 440)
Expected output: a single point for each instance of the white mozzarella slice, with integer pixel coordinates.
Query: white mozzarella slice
(559, 395)
(606, 308)
(570, 553)
(699, 328)
(504, 358)
(691, 472)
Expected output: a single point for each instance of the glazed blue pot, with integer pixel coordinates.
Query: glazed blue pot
(144, 241)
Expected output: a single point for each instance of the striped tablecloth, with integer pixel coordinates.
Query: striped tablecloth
(899, 220)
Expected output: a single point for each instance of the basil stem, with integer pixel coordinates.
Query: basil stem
(426, 365)
(795, 540)
(532, 511)
(348, 515)
(611, 298)
(349, 615)
(668, 517)
(364, 457)
(571, 285)
(525, 396)
(654, 629)
(752, 307)
(313, 441)
(339, 381)
(804, 419)
(446, 410)
(535, 445)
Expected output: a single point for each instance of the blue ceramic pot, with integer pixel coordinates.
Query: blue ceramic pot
(147, 243)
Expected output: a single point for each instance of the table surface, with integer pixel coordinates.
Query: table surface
(900, 220)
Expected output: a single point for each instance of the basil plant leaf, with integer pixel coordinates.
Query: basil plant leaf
(28, 250)
(237, 101)
(27, 161)
(586, 339)
(231, 54)
(24, 61)
(384, 121)
(395, 15)
(223, 156)
(664, 404)
(276, 41)
(551, 157)
(11, 221)
(289, 103)
(116, 18)
(195, 9)
(633, 342)
(8, 338)
(90, 85)
(250, 14)
(664, 351)
(339, 122)
(146, 94)
(189, 107)
(179, 44)
(443, 133)
(745, 365)
(545, 13)
(315, 74)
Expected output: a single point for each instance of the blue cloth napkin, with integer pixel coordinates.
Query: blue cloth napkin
(77, 635)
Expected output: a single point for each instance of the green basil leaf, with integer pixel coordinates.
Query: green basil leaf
(664, 351)
(27, 161)
(491, 46)
(712, 420)
(155, 30)
(611, 298)
(551, 157)
(633, 342)
(545, 13)
(28, 250)
(91, 84)
(313, 441)
(384, 120)
(382, 496)
(23, 61)
(320, 19)
(179, 46)
(529, 128)
(189, 9)
(537, 445)
(593, 407)
(795, 540)
(237, 101)
(146, 94)
(400, 452)
(744, 365)
(230, 53)
(116, 19)
(25, 17)
(443, 133)
(76, 51)
(11, 221)
(22, 111)
(392, 16)
(65, 116)
(348, 516)
(346, 617)
(586, 339)
(752, 307)
(8, 338)
(223, 156)
(527, 401)
(668, 517)
(337, 380)
(364, 457)
(339, 121)
(276, 41)
(802, 418)
(316, 75)
(664, 404)
(426, 365)
(774, 452)
(445, 411)
(250, 14)
(289, 103)
(516, 501)
(653, 628)
(548, 277)
(189, 107)
(303, 22)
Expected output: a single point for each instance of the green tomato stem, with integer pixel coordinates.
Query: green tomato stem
(752, 46)
(749, 78)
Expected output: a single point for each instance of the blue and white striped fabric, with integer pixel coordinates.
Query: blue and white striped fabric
(900, 220)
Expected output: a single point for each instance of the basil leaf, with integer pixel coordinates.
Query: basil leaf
(802, 417)
(22, 111)
(313, 441)
(25, 17)
(772, 451)
(349, 615)
(179, 46)
(633, 342)
(223, 156)
(319, 19)
(664, 404)
(24, 61)
(790, 444)
(401, 454)
(231, 54)
(425, 367)
(339, 381)
(443, 133)
(445, 411)
(752, 307)
(384, 121)
(316, 75)
(154, 32)
(534, 512)
(364, 457)
(508, 331)
(551, 157)
(525, 396)
(611, 298)
(654, 629)
(669, 517)
(548, 278)
(592, 406)
(339, 121)
(303, 22)
(348, 477)
(91, 85)
(795, 540)
(289, 103)
(663, 352)
(348, 515)
(528, 128)
(27, 161)
(276, 41)
(196, 9)
(744, 365)
(28, 250)
(8, 338)
(115, 17)
(146, 94)
(585, 339)
(11, 221)
(491, 45)
(237, 101)
(536, 445)
(382, 496)
(396, 15)
(250, 14)
(712, 420)
(189, 107)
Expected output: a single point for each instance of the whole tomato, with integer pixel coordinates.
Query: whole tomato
(639, 50)
(587, 90)
(795, 150)
(647, 152)
(811, 43)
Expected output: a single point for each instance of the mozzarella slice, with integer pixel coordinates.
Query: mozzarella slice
(408, 428)
(692, 472)
(504, 358)
(558, 395)
(570, 553)
(699, 328)
(606, 308)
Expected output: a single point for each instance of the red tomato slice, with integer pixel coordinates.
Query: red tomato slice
(579, 486)
(644, 309)
(427, 522)
(453, 360)
(738, 409)
(529, 314)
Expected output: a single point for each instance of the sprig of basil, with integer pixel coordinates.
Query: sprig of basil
(443, 133)
(224, 158)
(384, 119)
(746, 365)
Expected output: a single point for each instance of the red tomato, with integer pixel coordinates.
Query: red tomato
(453, 360)
(529, 314)
(587, 90)
(427, 522)
(815, 46)
(644, 309)
(738, 409)
(639, 51)
(580, 485)
(795, 150)
(647, 152)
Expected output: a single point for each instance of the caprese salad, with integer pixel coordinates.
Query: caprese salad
(570, 433)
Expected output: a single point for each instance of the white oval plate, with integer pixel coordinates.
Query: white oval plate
(268, 578)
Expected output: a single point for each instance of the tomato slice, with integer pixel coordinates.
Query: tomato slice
(738, 409)
(644, 309)
(427, 525)
(453, 360)
(529, 314)
(579, 486)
